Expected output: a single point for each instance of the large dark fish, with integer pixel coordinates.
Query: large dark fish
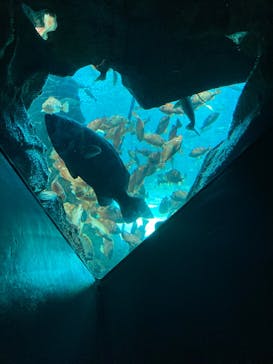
(186, 104)
(94, 159)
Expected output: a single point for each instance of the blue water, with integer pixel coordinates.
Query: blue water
(111, 98)
(116, 99)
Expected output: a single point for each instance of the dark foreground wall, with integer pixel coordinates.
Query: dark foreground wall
(47, 296)
(199, 290)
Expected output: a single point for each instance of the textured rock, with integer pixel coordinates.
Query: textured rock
(22, 146)
(161, 53)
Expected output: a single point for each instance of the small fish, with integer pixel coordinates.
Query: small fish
(154, 139)
(81, 190)
(87, 246)
(154, 157)
(132, 239)
(131, 108)
(174, 176)
(89, 93)
(210, 119)
(139, 129)
(145, 152)
(167, 108)
(137, 178)
(170, 148)
(59, 164)
(100, 229)
(174, 128)
(161, 178)
(110, 133)
(201, 98)
(58, 188)
(116, 120)
(199, 151)
(45, 196)
(179, 195)
(111, 226)
(139, 231)
(119, 136)
(53, 106)
(151, 169)
(110, 213)
(133, 155)
(74, 212)
(95, 124)
(162, 125)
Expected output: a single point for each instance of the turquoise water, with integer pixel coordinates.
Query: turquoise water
(101, 249)
(116, 100)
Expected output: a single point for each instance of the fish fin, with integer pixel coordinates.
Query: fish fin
(90, 151)
(177, 104)
(209, 107)
(191, 127)
(65, 107)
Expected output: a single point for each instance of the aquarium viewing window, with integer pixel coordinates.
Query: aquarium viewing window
(161, 153)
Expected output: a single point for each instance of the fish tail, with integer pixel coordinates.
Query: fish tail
(133, 207)
(191, 127)
(65, 106)
(209, 107)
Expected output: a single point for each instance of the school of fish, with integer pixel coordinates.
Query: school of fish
(152, 154)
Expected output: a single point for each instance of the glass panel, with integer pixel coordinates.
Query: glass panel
(160, 148)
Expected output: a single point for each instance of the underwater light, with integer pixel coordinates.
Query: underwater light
(151, 226)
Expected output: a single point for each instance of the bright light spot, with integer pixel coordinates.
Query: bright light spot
(150, 227)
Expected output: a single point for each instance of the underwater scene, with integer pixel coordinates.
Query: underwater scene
(120, 170)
